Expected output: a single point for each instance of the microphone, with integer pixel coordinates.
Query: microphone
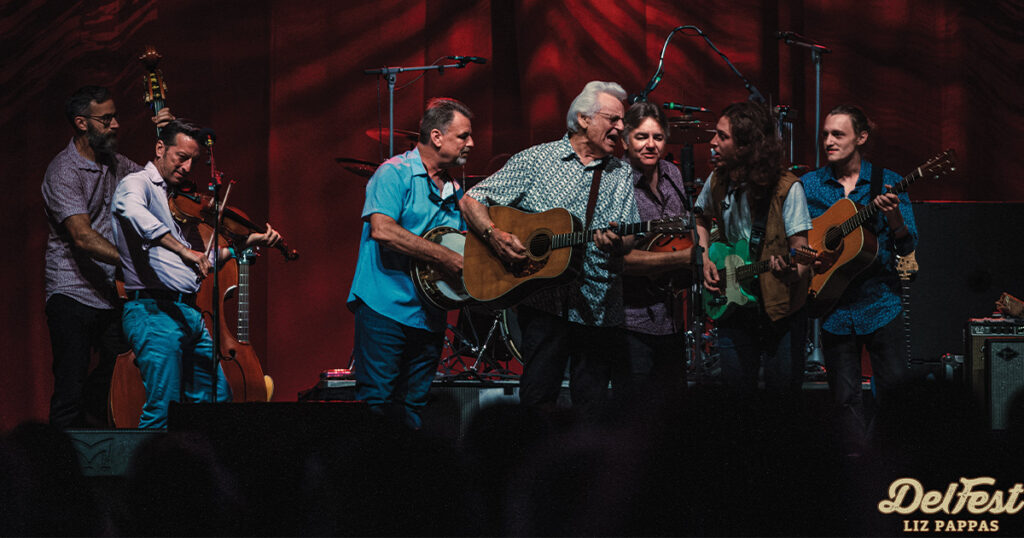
(669, 105)
(642, 96)
(207, 136)
(793, 38)
(468, 59)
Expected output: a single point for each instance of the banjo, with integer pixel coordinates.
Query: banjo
(434, 286)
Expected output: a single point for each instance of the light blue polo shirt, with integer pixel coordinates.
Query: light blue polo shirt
(400, 189)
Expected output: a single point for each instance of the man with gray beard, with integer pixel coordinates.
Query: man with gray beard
(83, 311)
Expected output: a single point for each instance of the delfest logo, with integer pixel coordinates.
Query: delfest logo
(964, 507)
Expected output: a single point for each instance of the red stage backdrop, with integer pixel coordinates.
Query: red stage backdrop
(282, 84)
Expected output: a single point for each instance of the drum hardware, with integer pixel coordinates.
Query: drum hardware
(467, 342)
(685, 130)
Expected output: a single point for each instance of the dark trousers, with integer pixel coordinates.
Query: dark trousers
(80, 396)
(843, 363)
(657, 365)
(394, 365)
(748, 337)
(550, 343)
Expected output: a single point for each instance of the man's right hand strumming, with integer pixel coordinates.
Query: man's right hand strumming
(508, 247)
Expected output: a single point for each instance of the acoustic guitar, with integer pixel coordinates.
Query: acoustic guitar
(840, 231)
(736, 274)
(555, 247)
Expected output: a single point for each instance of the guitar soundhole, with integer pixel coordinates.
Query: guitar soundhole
(833, 239)
(539, 246)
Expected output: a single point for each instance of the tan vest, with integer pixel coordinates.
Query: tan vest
(780, 299)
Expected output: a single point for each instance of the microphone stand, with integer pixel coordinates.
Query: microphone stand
(695, 332)
(815, 358)
(215, 184)
(391, 73)
(755, 95)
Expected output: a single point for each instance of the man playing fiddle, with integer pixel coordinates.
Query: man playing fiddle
(162, 273)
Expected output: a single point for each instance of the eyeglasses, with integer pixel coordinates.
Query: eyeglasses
(104, 120)
(611, 119)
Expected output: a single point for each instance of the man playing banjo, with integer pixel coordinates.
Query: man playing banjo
(398, 336)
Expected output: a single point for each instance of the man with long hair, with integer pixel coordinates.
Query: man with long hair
(755, 201)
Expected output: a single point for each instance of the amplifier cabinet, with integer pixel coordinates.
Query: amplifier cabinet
(1004, 361)
(976, 334)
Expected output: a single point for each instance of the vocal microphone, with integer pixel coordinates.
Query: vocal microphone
(669, 105)
(467, 59)
(797, 39)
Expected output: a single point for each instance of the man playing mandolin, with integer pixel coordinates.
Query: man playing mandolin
(755, 201)
(398, 337)
(581, 320)
(162, 273)
(869, 312)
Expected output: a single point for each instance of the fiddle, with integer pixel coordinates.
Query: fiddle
(189, 206)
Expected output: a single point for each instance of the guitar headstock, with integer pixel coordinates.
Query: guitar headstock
(906, 266)
(670, 225)
(939, 165)
(804, 255)
(247, 256)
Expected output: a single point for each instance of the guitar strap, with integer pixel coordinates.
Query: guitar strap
(876, 181)
(876, 187)
(757, 232)
(595, 187)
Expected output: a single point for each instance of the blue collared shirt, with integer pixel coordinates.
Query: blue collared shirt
(872, 299)
(402, 190)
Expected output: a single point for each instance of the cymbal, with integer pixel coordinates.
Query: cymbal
(400, 134)
(356, 166)
(689, 131)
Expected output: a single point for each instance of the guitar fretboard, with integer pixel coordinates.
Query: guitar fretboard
(869, 211)
(583, 237)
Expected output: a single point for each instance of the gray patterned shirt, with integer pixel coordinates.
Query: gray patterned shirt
(74, 185)
(551, 175)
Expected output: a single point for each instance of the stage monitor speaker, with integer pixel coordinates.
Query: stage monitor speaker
(1004, 362)
(967, 258)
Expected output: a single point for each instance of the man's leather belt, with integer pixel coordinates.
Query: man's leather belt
(164, 295)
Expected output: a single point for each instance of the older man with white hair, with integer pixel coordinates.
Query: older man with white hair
(581, 321)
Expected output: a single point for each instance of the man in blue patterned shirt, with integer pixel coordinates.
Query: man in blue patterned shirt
(581, 321)
(869, 314)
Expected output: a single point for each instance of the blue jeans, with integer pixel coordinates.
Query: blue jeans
(748, 336)
(174, 352)
(394, 365)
